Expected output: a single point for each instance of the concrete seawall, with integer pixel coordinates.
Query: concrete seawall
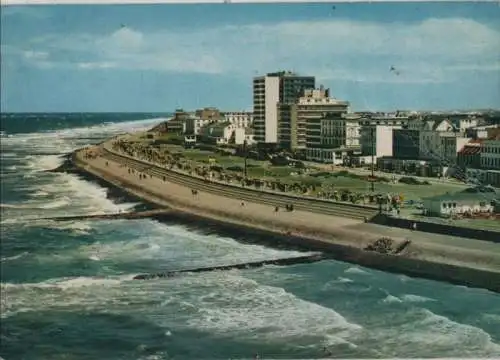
(274, 236)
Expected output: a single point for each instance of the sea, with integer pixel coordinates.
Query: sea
(67, 290)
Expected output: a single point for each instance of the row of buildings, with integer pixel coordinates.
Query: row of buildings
(210, 125)
(290, 113)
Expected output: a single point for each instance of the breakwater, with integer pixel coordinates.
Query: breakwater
(248, 265)
(115, 216)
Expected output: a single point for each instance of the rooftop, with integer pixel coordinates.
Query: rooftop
(470, 150)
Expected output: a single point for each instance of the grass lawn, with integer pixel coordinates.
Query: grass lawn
(286, 174)
(409, 192)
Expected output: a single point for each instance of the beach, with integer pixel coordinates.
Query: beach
(458, 260)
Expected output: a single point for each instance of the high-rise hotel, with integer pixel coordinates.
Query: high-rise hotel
(283, 87)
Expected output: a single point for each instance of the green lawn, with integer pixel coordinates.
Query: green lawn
(286, 174)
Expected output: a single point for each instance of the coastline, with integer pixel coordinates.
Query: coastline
(338, 237)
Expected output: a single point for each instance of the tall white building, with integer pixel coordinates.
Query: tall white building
(282, 87)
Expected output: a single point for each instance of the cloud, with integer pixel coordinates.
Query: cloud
(96, 65)
(36, 55)
(434, 50)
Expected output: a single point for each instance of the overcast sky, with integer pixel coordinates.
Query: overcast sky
(160, 57)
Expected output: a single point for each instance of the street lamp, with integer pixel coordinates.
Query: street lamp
(373, 160)
(246, 156)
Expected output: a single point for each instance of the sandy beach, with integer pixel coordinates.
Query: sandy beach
(432, 248)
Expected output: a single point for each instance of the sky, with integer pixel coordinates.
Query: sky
(159, 57)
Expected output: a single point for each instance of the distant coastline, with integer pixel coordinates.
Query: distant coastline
(341, 243)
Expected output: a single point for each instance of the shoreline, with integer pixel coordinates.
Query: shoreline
(341, 243)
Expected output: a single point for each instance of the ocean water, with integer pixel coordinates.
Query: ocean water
(67, 290)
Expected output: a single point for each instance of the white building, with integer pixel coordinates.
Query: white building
(461, 203)
(467, 123)
(194, 124)
(441, 141)
(241, 119)
(224, 133)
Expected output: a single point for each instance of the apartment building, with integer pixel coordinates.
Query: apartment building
(337, 139)
(283, 87)
(490, 153)
(299, 124)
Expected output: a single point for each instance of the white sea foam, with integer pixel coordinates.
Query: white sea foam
(421, 333)
(415, 298)
(7, 155)
(146, 239)
(65, 194)
(14, 257)
(355, 270)
(65, 140)
(39, 194)
(243, 307)
(45, 162)
(77, 227)
(390, 299)
(55, 204)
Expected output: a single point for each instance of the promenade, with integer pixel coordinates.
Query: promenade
(470, 255)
